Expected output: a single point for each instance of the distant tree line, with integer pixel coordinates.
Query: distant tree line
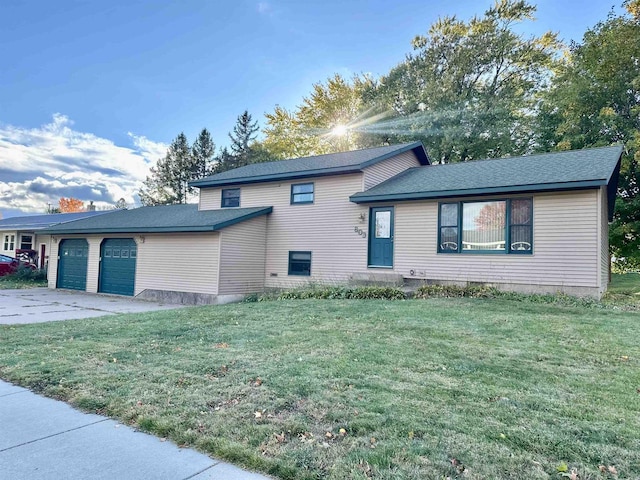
(468, 90)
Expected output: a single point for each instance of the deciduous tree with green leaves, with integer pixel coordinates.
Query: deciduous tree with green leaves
(330, 119)
(470, 89)
(595, 101)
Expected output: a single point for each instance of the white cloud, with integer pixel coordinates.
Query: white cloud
(40, 165)
(264, 8)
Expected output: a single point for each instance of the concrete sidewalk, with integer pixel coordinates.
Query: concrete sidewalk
(42, 438)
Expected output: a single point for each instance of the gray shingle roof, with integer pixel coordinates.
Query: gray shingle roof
(330, 164)
(550, 171)
(163, 218)
(38, 222)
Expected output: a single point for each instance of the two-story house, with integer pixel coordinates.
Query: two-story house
(537, 223)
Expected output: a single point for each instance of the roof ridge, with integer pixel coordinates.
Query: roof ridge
(529, 155)
(399, 145)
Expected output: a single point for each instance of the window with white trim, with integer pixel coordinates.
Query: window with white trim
(488, 226)
(9, 242)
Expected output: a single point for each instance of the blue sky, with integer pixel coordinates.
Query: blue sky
(92, 91)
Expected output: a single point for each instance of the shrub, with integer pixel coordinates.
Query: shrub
(323, 292)
(25, 274)
(454, 291)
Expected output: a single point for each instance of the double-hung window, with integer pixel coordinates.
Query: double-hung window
(26, 242)
(9, 242)
(230, 197)
(302, 193)
(300, 263)
(493, 226)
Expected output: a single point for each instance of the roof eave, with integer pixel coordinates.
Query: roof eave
(612, 188)
(169, 229)
(359, 198)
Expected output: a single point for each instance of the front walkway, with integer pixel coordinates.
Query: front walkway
(45, 439)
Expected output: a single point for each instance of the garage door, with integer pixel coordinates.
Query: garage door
(72, 264)
(118, 266)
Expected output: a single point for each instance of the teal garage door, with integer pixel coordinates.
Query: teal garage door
(72, 264)
(118, 266)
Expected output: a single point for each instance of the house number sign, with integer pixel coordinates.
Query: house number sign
(360, 232)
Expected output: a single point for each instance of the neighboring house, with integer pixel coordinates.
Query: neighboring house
(22, 237)
(537, 223)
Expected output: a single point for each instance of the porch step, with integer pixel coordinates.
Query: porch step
(376, 278)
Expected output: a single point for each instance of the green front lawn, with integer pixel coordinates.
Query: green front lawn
(420, 389)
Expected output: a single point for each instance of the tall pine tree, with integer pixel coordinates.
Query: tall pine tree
(242, 136)
(168, 182)
(203, 151)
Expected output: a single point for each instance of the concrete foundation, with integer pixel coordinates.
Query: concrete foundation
(377, 278)
(592, 292)
(188, 298)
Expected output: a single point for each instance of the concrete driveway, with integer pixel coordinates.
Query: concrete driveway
(37, 305)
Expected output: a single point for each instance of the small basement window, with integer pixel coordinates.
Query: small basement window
(300, 263)
(230, 197)
(302, 193)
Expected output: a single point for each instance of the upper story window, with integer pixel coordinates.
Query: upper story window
(495, 226)
(9, 242)
(230, 197)
(302, 193)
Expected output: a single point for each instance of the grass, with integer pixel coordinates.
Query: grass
(418, 389)
(24, 278)
(9, 282)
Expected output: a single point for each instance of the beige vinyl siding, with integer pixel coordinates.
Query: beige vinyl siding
(210, 198)
(52, 272)
(181, 262)
(242, 257)
(386, 169)
(93, 264)
(175, 262)
(605, 259)
(565, 251)
(325, 227)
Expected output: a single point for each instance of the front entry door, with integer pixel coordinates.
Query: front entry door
(381, 237)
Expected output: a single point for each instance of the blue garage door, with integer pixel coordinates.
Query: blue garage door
(72, 264)
(118, 266)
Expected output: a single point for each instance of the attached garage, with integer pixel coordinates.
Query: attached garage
(118, 258)
(168, 253)
(72, 264)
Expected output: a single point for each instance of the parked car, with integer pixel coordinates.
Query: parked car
(9, 265)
